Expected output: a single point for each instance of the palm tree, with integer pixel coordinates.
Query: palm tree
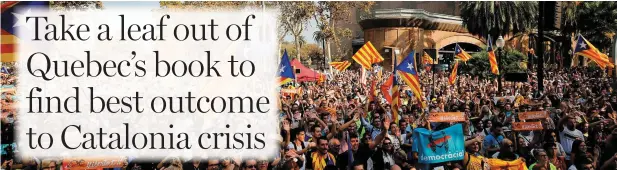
(320, 37)
(498, 18)
(597, 21)
(568, 29)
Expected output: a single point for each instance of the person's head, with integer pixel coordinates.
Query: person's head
(551, 148)
(175, 161)
(579, 147)
(49, 165)
(358, 166)
(352, 128)
(474, 147)
(540, 155)
(300, 135)
(322, 145)
(393, 127)
(355, 142)
(316, 130)
(250, 164)
(571, 124)
(262, 164)
(213, 164)
(377, 120)
(584, 162)
(402, 124)
(497, 129)
(479, 125)
(335, 145)
(488, 124)
(387, 144)
(507, 146)
(196, 161)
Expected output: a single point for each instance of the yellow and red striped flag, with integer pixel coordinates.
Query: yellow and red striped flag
(409, 74)
(452, 78)
(491, 57)
(367, 55)
(584, 48)
(340, 66)
(461, 54)
(427, 59)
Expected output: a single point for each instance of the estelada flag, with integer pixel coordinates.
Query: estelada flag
(461, 54)
(286, 73)
(584, 48)
(407, 71)
(367, 55)
(10, 25)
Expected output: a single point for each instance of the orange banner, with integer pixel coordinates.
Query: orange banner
(533, 115)
(94, 163)
(527, 126)
(447, 117)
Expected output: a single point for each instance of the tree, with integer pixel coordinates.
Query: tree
(597, 21)
(294, 18)
(497, 18)
(75, 5)
(330, 14)
(479, 64)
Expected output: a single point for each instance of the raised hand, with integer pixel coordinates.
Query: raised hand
(386, 123)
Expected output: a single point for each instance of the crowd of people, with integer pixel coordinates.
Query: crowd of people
(334, 125)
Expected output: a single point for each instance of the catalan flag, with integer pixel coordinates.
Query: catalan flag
(584, 48)
(12, 12)
(367, 55)
(340, 66)
(461, 54)
(452, 78)
(427, 59)
(491, 57)
(286, 73)
(408, 73)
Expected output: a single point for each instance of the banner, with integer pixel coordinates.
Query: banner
(533, 115)
(439, 146)
(447, 117)
(527, 126)
(94, 163)
(517, 164)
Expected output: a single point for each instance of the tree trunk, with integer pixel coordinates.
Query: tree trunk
(296, 39)
(329, 57)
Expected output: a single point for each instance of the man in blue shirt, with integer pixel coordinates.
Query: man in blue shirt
(493, 140)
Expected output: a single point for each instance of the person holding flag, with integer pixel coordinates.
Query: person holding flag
(286, 73)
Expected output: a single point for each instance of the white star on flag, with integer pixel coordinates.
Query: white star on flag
(583, 45)
(409, 66)
(282, 69)
(21, 19)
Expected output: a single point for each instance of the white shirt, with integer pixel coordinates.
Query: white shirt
(567, 138)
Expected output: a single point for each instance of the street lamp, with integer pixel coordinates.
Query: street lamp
(500, 43)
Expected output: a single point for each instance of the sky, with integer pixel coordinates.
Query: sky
(307, 33)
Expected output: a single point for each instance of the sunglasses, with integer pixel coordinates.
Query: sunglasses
(251, 166)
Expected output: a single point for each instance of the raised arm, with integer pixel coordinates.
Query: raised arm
(381, 135)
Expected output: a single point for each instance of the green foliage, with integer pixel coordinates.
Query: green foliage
(479, 64)
(596, 21)
(498, 17)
